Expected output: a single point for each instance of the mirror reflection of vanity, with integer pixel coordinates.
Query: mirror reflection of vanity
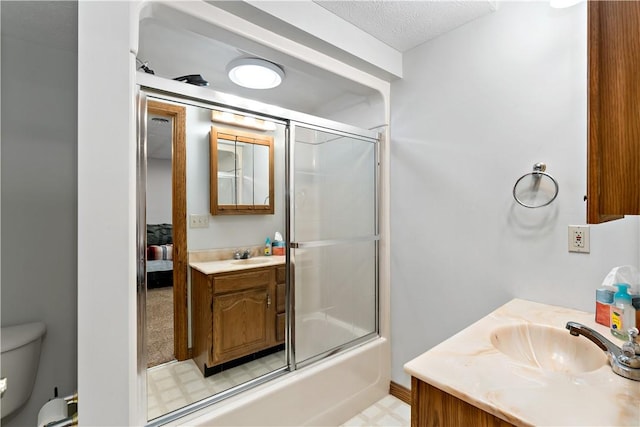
(241, 172)
(241, 316)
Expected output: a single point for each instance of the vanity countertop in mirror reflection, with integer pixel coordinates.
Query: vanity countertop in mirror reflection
(222, 266)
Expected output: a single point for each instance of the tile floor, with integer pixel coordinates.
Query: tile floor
(386, 412)
(176, 384)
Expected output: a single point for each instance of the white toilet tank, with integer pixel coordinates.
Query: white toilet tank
(20, 345)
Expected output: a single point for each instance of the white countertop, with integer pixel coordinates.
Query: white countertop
(227, 265)
(469, 367)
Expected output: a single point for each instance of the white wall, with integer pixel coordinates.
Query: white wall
(477, 108)
(159, 188)
(39, 195)
(227, 231)
(107, 383)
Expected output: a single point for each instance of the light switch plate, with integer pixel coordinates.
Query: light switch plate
(579, 239)
(198, 221)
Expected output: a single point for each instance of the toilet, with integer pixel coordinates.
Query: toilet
(20, 345)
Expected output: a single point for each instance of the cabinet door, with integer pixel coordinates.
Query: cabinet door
(614, 110)
(239, 324)
(280, 327)
(432, 407)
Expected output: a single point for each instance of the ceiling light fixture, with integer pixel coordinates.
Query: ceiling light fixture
(255, 73)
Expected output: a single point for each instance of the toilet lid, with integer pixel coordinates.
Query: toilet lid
(19, 335)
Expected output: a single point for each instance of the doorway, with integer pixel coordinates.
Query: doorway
(166, 245)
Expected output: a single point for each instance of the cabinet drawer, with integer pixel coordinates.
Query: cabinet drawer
(240, 281)
(280, 297)
(280, 322)
(281, 275)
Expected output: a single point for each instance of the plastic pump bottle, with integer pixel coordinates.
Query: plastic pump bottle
(267, 249)
(623, 315)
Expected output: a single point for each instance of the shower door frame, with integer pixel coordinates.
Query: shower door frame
(170, 90)
(340, 130)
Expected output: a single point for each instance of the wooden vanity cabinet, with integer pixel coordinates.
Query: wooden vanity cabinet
(432, 407)
(280, 304)
(234, 314)
(613, 173)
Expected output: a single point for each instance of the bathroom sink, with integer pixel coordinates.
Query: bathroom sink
(548, 348)
(250, 261)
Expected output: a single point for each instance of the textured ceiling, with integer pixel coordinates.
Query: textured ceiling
(401, 24)
(404, 25)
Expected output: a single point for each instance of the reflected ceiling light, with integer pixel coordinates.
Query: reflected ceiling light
(242, 121)
(255, 73)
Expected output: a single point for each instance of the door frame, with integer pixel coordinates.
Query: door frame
(178, 115)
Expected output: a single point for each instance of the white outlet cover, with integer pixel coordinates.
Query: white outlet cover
(579, 239)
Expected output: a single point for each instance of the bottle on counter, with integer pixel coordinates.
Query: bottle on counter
(635, 301)
(267, 247)
(604, 300)
(278, 244)
(623, 315)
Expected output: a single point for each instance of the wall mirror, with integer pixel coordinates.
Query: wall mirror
(241, 172)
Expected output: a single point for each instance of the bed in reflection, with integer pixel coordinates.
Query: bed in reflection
(159, 255)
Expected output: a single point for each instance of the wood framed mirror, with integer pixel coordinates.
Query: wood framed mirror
(241, 173)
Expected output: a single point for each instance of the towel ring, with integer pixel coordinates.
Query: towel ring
(539, 193)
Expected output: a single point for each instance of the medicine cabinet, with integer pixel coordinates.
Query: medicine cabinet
(241, 172)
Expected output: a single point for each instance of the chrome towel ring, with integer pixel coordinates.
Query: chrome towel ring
(538, 191)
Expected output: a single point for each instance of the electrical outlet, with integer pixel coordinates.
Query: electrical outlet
(579, 238)
(199, 221)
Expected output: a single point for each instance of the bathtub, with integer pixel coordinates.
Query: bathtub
(326, 393)
(320, 333)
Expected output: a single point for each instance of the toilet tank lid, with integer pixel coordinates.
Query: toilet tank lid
(19, 335)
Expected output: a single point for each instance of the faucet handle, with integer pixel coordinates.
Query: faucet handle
(631, 348)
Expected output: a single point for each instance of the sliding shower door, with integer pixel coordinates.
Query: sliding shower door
(334, 240)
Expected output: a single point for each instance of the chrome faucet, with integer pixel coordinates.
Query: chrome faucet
(624, 362)
(246, 254)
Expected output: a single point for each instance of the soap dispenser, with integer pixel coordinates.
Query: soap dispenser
(267, 248)
(623, 316)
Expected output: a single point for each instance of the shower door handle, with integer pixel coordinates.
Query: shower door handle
(332, 242)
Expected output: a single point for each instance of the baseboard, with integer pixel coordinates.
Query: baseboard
(400, 392)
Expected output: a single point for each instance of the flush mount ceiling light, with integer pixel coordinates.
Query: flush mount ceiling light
(255, 73)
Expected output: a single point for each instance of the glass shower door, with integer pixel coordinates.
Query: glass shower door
(334, 234)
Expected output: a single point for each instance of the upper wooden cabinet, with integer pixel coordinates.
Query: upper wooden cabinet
(613, 175)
